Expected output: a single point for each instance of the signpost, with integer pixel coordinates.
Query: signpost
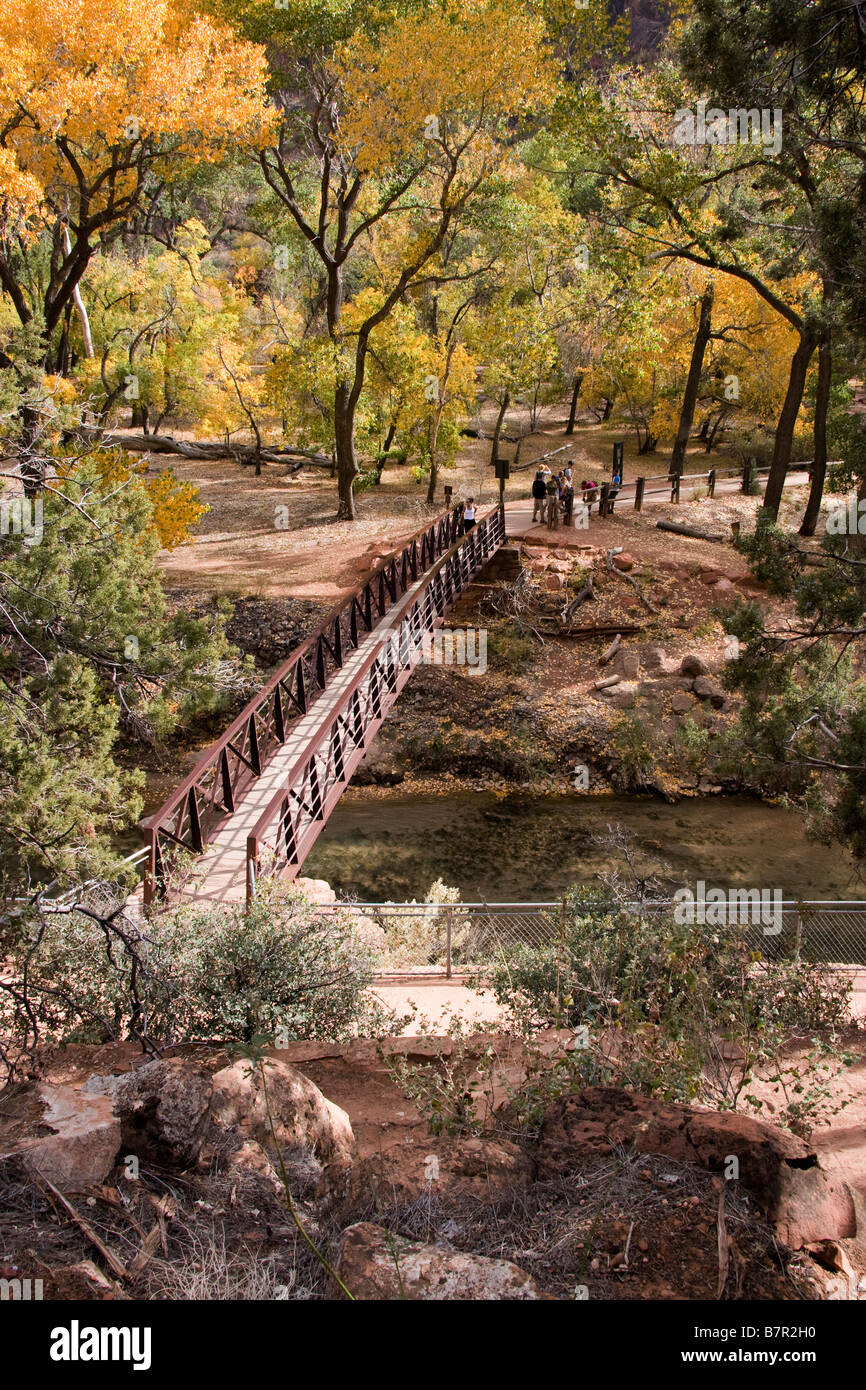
(503, 471)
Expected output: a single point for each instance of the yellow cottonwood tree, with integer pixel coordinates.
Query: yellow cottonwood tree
(95, 98)
(403, 127)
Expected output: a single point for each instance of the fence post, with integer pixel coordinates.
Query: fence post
(602, 501)
(560, 947)
(675, 488)
(449, 928)
(711, 482)
(747, 476)
(638, 493)
(798, 934)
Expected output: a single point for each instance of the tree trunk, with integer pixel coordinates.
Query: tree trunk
(30, 457)
(693, 381)
(575, 396)
(784, 440)
(346, 458)
(819, 466)
(503, 406)
(717, 425)
(80, 306)
(608, 407)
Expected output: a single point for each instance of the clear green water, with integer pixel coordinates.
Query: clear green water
(529, 848)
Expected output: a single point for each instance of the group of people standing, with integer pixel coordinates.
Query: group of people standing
(553, 496)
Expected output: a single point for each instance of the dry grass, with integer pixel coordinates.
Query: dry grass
(626, 1226)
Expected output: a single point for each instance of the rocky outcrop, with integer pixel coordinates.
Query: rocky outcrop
(375, 1264)
(164, 1111)
(301, 1116)
(781, 1172)
(82, 1146)
(475, 1167)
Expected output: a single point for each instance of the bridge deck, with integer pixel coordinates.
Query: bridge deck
(219, 874)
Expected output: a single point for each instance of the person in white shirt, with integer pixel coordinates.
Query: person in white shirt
(469, 514)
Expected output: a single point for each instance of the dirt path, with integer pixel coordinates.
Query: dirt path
(277, 536)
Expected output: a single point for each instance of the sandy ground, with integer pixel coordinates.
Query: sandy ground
(241, 549)
(435, 1002)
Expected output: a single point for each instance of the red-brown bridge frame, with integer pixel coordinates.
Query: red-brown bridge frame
(211, 792)
(296, 815)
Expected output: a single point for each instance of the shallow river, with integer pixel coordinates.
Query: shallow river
(529, 848)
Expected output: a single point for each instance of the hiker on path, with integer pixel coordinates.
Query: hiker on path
(567, 500)
(553, 502)
(539, 497)
(469, 514)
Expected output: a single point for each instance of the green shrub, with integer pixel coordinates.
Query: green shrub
(197, 971)
(507, 652)
(633, 754)
(665, 1006)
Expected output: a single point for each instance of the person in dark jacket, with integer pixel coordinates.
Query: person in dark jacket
(539, 497)
(567, 499)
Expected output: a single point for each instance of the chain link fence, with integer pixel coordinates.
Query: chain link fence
(441, 938)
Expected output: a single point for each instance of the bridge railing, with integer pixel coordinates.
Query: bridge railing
(297, 813)
(209, 794)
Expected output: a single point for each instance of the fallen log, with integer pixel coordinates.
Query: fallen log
(596, 630)
(607, 682)
(471, 433)
(204, 450)
(611, 651)
(586, 593)
(532, 463)
(693, 532)
(628, 579)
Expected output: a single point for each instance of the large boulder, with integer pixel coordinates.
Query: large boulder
(374, 1264)
(316, 889)
(624, 695)
(163, 1108)
(693, 665)
(474, 1167)
(781, 1172)
(708, 689)
(84, 1141)
(302, 1117)
(652, 658)
(627, 665)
